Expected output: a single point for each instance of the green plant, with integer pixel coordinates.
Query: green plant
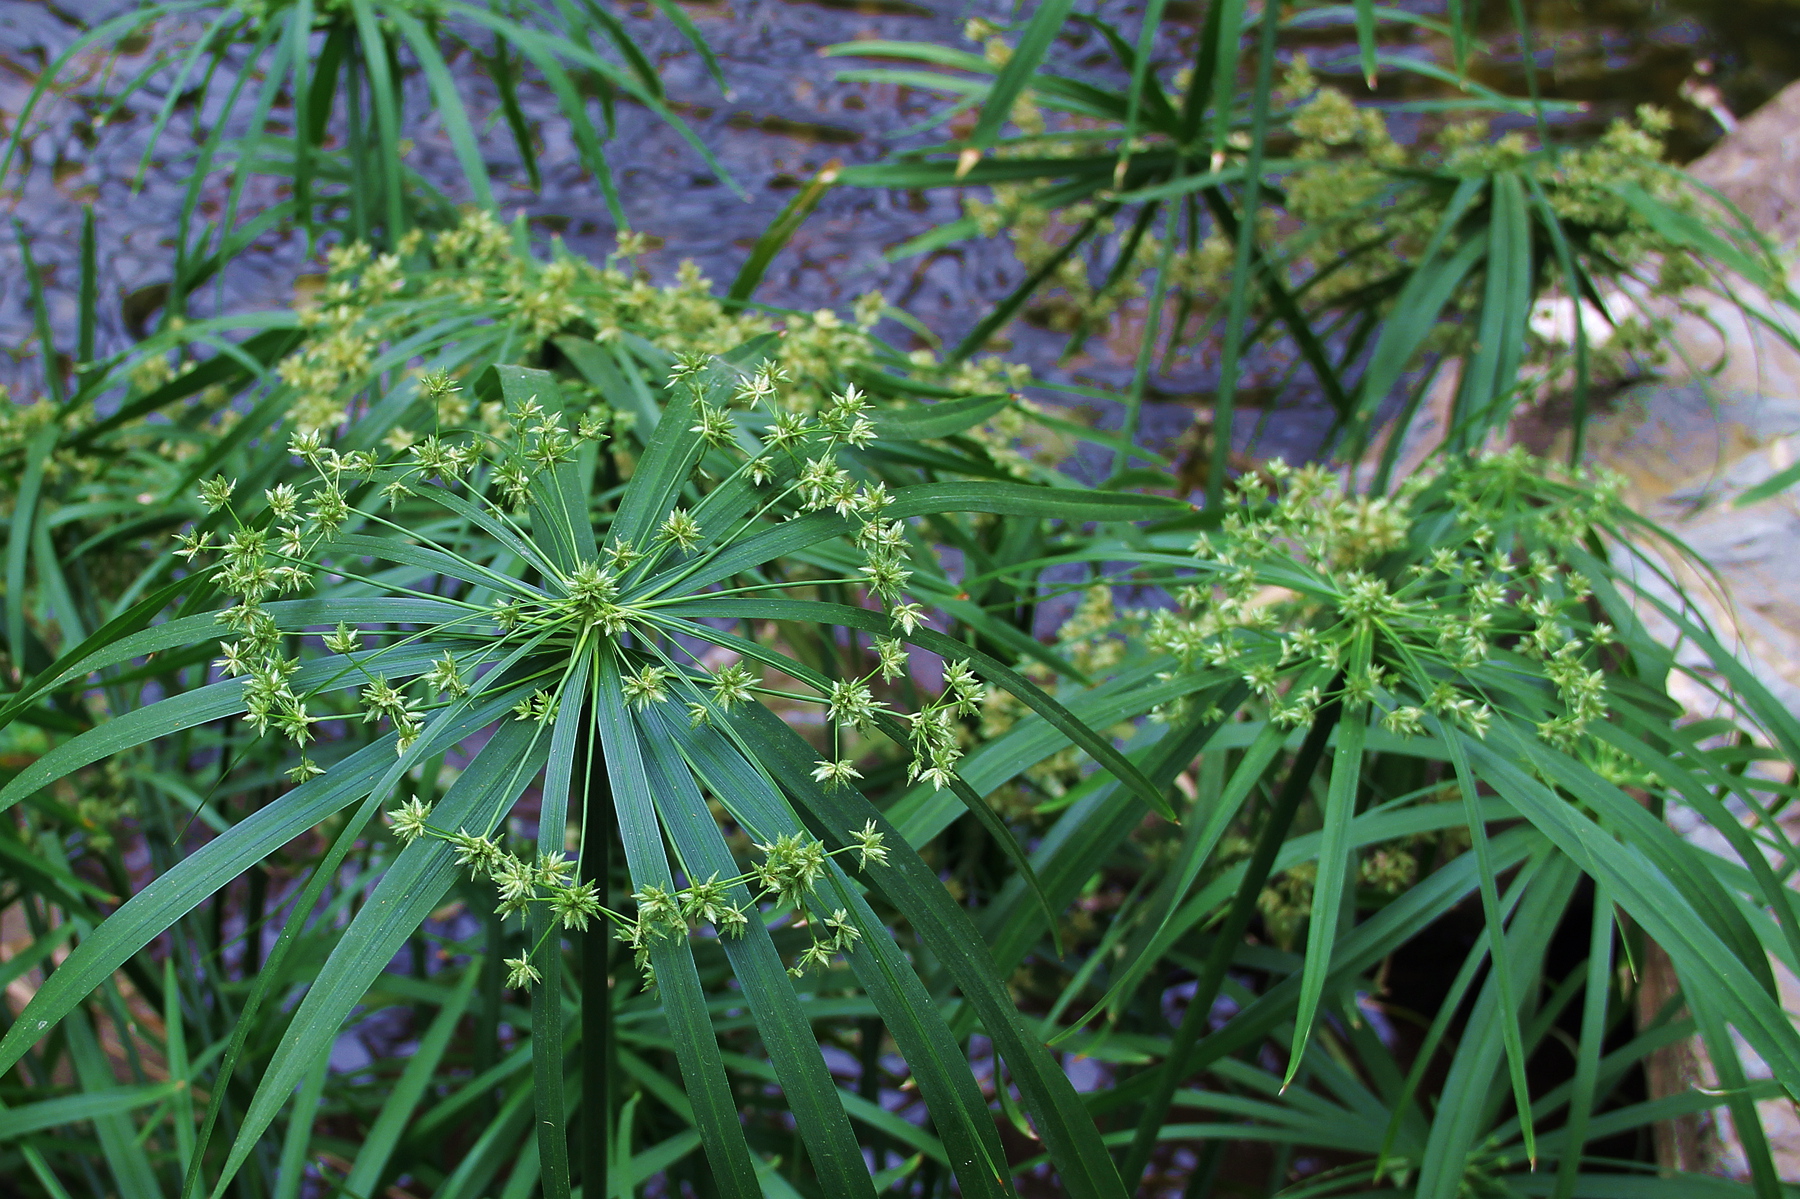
(99, 489)
(561, 640)
(1462, 636)
(313, 94)
(892, 764)
(1218, 216)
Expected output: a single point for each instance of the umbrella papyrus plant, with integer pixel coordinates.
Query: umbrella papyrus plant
(548, 650)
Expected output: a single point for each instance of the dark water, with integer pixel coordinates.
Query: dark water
(786, 118)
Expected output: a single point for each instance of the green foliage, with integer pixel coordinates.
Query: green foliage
(1207, 217)
(339, 67)
(648, 707)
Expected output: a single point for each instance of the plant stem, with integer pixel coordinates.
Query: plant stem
(1244, 264)
(487, 1023)
(598, 842)
(1231, 933)
(868, 1083)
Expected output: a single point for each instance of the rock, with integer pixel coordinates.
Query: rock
(1757, 167)
(1725, 419)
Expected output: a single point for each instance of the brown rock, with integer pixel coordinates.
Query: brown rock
(1757, 166)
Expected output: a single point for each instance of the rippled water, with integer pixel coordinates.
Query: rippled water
(787, 117)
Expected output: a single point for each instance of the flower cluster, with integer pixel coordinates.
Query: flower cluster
(1359, 207)
(270, 555)
(1411, 603)
(787, 877)
(794, 465)
(348, 325)
(474, 273)
(281, 548)
(935, 734)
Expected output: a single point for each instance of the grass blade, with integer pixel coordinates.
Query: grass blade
(1033, 44)
(1490, 377)
(408, 891)
(678, 981)
(18, 549)
(296, 1144)
(958, 1109)
(781, 230)
(768, 991)
(1509, 1015)
(1365, 39)
(401, 1102)
(448, 104)
(914, 888)
(1583, 1088)
(547, 1036)
(119, 1143)
(1334, 862)
(1176, 1066)
(1238, 302)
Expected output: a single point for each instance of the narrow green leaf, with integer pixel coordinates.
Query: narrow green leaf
(547, 1037)
(673, 450)
(1238, 301)
(95, 1103)
(1459, 1123)
(679, 18)
(1161, 1084)
(447, 103)
(385, 97)
(780, 1020)
(408, 891)
(1021, 66)
(1365, 39)
(119, 1143)
(397, 1109)
(296, 1143)
(181, 1106)
(18, 541)
(40, 316)
(1406, 1117)
(1489, 379)
(926, 52)
(1576, 285)
(780, 230)
(1083, 1166)
(1451, 738)
(1219, 74)
(677, 979)
(1328, 889)
(1700, 948)
(88, 299)
(918, 422)
(1143, 81)
(1584, 1087)
(958, 1109)
(1422, 298)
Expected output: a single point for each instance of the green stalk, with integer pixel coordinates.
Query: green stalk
(868, 1083)
(1140, 375)
(1231, 933)
(599, 838)
(487, 1020)
(1239, 305)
